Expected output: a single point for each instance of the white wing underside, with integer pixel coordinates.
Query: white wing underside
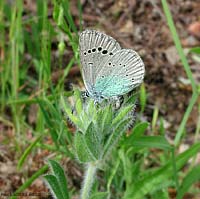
(102, 57)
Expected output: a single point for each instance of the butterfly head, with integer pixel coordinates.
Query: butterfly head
(97, 96)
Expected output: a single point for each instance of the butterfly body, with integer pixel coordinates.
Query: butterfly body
(108, 71)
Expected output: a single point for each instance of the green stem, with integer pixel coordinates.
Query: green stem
(178, 44)
(187, 70)
(88, 180)
(175, 169)
(185, 118)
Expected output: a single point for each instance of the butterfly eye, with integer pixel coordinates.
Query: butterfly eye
(89, 51)
(85, 53)
(111, 54)
(94, 49)
(99, 48)
(109, 63)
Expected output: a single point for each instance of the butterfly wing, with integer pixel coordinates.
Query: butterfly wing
(120, 74)
(95, 49)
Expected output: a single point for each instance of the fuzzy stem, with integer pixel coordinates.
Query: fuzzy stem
(88, 180)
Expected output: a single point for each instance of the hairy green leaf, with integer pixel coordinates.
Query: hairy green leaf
(115, 135)
(82, 151)
(68, 111)
(123, 113)
(58, 171)
(93, 141)
(79, 106)
(100, 195)
(106, 119)
(54, 186)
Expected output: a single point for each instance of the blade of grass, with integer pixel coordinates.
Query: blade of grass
(175, 176)
(65, 22)
(195, 50)
(3, 75)
(68, 15)
(29, 181)
(185, 118)
(150, 182)
(113, 172)
(190, 179)
(155, 118)
(187, 70)
(151, 142)
(197, 132)
(60, 85)
(178, 44)
(27, 100)
(143, 97)
(16, 48)
(27, 152)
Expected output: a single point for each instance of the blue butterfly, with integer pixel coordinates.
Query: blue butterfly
(108, 70)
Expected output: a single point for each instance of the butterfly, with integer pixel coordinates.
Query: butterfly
(108, 70)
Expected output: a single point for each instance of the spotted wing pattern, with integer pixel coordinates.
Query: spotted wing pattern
(120, 74)
(107, 69)
(95, 49)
